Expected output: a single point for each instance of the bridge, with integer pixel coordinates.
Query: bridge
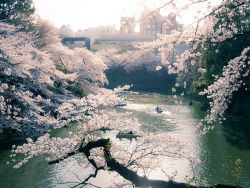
(121, 42)
(76, 42)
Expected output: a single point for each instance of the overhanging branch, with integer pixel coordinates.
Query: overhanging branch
(126, 173)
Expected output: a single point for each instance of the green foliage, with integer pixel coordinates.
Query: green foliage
(77, 90)
(197, 179)
(74, 87)
(199, 84)
(62, 68)
(55, 90)
(240, 17)
(17, 12)
(217, 55)
(193, 79)
(235, 170)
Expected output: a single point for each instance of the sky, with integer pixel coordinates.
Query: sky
(82, 14)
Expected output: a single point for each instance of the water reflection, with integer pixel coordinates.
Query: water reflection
(176, 120)
(237, 132)
(230, 139)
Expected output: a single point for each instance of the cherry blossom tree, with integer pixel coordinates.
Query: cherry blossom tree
(215, 23)
(35, 93)
(131, 61)
(25, 72)
(134, 162)
(44, 33)
(235, 74)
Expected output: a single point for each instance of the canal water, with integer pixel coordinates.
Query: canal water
(228, 140)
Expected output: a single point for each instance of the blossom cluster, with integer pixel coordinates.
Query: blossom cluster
(215, 23)
(35, 92)
(222, 90)
(135, 156)
(131, 60)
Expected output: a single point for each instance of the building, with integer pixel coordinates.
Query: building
(152, 24)
(95, 32)
(170, 23)
(108, 37)
(127, 25)
(101, 30)
(79, 33)
(65, 31)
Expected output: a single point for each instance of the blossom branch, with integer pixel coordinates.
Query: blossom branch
(126, 173)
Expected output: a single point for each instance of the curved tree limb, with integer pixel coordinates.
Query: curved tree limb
(126, 173)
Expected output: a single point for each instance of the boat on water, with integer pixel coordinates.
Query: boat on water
(105, 129)
(122, 94)
(143, 93)
(117, 105)
(90, 112)
(129, 134)
(87, 113)
(158, 110)
(190, 103)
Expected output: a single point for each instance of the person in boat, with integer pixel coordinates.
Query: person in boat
(158, 109)
(130, 132)
(87, 113)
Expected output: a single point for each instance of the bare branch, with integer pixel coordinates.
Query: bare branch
(62, 62)
(87, 179)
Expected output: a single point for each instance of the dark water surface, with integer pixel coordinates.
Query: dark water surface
(232, 138)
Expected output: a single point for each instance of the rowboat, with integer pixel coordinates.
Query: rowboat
(126, 135)
(120, 105)
(158, 110)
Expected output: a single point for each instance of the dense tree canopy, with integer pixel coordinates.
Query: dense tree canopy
(216, 55)
(132, 60)
(17, 12)
(35, 91)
